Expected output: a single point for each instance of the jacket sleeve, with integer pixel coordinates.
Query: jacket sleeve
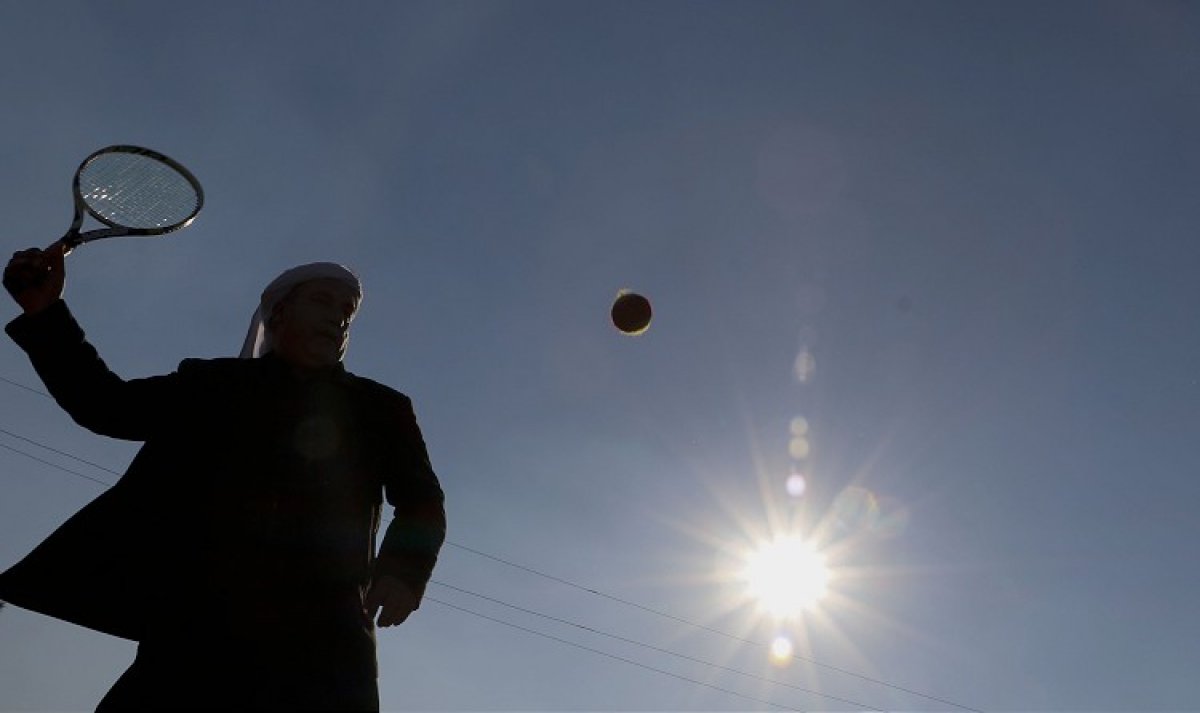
(82, 383)
(414, 537)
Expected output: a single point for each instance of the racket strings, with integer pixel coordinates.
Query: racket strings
(137, 191)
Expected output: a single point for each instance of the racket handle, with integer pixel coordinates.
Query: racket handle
(64, 243)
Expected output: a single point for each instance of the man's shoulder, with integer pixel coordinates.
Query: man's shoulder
(217, 365)
(215, 362)
(223, 373)
(381, 393)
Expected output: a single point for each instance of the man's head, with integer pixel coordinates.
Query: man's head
(304, 315)
(310, 326)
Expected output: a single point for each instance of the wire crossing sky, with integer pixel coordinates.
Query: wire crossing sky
(918, 402)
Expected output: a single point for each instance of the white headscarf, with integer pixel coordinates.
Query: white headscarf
(256, 339)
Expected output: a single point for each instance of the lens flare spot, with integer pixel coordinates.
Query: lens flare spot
(855, 508)
(317, 438)
(893, 519)
(782, 651)
(796, 485)
(805, 366)
(799, 426)
(799, 448)
(786, 577)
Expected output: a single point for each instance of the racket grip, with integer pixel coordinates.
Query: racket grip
(65, 244)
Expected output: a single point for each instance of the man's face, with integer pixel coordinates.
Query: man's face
(311, 326)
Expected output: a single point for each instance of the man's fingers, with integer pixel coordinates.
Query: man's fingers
(396, 609)
(27, 263)
(36, 260)
(391, 598)
(23, 271)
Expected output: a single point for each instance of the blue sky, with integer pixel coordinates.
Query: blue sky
(973, 224)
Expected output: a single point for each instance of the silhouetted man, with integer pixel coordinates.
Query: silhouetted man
(239, 549)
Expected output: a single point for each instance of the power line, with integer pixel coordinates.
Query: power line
(61, 453)
(27, 388)
(550, 577)
(697, 625)
(611, 656)
(650, 646)
(54, 465)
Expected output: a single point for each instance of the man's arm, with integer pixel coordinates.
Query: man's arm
(72, 370)
(410, 547)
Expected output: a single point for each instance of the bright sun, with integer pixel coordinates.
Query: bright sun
(786, 576)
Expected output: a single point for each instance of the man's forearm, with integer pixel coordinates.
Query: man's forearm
(411, 544)
(81, 382)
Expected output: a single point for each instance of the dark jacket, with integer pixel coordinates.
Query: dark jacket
(255, 501)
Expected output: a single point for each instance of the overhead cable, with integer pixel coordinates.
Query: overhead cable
(650, 646)
(609, 655)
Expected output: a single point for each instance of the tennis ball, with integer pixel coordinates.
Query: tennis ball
(631, 313)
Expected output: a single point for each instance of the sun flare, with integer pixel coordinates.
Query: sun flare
(786, 577)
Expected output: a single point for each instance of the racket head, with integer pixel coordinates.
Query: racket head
(134, 191)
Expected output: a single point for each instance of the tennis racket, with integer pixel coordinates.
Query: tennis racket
(133, 191)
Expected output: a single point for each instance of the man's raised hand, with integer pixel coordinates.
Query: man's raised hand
(35, 277)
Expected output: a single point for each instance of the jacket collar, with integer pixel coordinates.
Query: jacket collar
(277, 366)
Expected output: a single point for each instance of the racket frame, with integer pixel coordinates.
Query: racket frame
(73, 238)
